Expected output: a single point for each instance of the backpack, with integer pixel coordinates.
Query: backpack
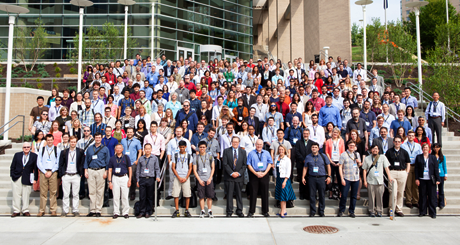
(55, 151)
(137, 208)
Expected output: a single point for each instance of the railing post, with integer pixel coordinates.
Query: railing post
(23, 126)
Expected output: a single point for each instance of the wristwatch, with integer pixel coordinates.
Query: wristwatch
(328, 176)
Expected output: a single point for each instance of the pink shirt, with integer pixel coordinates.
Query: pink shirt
(157, 141)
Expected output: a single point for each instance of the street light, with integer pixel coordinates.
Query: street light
(127, 3)
(82, 4)
(416, 6)
(363, 4)
(12, 11)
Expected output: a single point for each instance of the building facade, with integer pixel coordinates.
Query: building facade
(405, 11)
(288, 29)
(181, 26)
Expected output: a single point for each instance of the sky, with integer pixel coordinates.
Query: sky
(375, 10)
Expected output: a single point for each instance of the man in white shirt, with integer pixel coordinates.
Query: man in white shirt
(108, 119)
(374, 87)
(359, 71)
(387, 117)
(317, 132)
(249, 141)
(216, 110)
(97, 105)
(55, 111)
(287, 71)
(337, 100)
(331, 61)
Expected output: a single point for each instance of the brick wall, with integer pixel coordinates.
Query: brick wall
(22, 101)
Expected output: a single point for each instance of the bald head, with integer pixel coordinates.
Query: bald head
(26, 147)
(259, 145)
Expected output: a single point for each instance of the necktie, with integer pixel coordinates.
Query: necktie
(235, 157)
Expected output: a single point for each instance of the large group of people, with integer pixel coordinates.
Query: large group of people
(191, 126)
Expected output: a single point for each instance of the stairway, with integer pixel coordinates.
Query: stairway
(451, 150)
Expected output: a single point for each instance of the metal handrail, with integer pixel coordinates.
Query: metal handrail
(426, 96)
(23, 125)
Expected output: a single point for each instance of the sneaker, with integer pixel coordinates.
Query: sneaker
(210, 214)
(379, 215)
(372, 215)
(202, 214)
(187, 214)
(76, 214)
(175, 214)
(63, 214)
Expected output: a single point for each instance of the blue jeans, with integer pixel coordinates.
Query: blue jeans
(354, 193)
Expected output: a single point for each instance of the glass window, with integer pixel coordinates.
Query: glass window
(231, 7)
(243, 10)
(165, 21)
(52, 9)
(186, 4)
(165, 10)
(217, 32)
(244, 38)
(185, 15)
(217, 13)
(216, 22)
(33, 8)
(202, 9)
(217, 3)
(201, 39)
(95, 19)
(51, 20)
(117, 19)
(185, 45)
(118, 9)
(231, 35)
(139, 20)
(203, 1)
(137, 30)
(203, 19)
(185, 36)
(70, 31)
(216, 41)
(70, 9)
(230, 45)
(201, 29)
(231, 26)
(245, 2)
(71, 20)
(168, 2)
(167, 44)
(98, 9)
(168, 33)
(185, 25)
(140, 9)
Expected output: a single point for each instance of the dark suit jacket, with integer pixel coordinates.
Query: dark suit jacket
(79, 160)
(256, 121)
(248, 103)
(378, 141)
(227, 162)
(302, 151)
(433, 167)
(17, 169)
(166, 71)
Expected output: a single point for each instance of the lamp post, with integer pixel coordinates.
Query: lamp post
(82, 4)
(127, 3)
(416, 6)
(447, 18)
(363, 4)
(12, 11)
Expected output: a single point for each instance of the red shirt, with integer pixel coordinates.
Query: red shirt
(318, 103)
(135, 96)
(111, 79)
(190, 86)
(319, 84)
(284, 108)
(251, 65)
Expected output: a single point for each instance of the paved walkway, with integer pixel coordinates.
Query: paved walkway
(47, 230)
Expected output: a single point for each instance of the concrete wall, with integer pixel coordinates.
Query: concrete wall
(22, 102)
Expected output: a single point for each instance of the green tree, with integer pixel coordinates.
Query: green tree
(31, 43)
(354, 33)
(444, 63)
(375, 35)
(401, 49)
(431, 15)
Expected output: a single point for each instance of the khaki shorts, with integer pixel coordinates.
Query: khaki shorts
(185, 187)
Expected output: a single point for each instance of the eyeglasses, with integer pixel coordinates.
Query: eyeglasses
(186, 106)
(355, 88)
(86, 131)
(26, 147)
(273, 106)
(58, 100)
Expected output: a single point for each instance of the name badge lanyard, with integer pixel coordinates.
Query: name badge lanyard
(253, 141)
(49, 152)
(147, 164)
(182, 160)
(154, 141)
(354, 160)
(314, 129)
(435, 106)
(411, 149)
(259, 155)
(336, 144)
(203, 161)
(25, 160)
(273, 131)
(384, 144)
(397, 155)
(72, 158)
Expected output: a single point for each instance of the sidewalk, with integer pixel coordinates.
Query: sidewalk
(407, 230)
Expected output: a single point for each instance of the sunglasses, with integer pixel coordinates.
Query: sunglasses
(273, 106)
(26, 147)
(86, 131)
(58, 100)
(45, 114)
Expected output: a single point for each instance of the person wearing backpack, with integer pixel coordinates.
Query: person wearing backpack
(147, 172)
(48, 164)
(373, 167)
(203, 169)
(318, 167)
(96, 162)
(349, 163)
(119, 178)
(182, 168)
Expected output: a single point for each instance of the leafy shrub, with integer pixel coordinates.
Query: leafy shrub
(57, 69)
(58, 75)
(73, 71)
(55, 64)
(40, 85)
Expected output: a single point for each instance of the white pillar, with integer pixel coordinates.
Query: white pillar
(386, 29)
(326, 52)
(365, 44)
(80, 47)
(447, 17)
(419, 55)
(126, 33)
(152, 44)
(8, 74)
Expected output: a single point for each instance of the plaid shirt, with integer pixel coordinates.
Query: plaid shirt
(349, 166)
(86, 117)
